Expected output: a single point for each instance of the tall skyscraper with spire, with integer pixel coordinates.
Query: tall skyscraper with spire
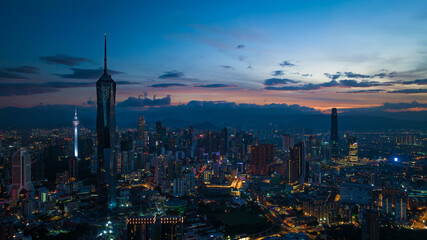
(76, 134)
(334, 133)
(106, 137)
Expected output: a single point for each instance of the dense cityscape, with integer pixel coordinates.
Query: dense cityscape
(198, 120)
(154, 182)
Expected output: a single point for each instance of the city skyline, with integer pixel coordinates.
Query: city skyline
(318, 55)
(219, 120)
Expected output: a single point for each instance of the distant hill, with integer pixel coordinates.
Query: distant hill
(214, 116)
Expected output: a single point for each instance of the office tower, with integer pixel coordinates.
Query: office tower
(224, 141)
(400, 208)
(314, 147)
(21, 174)
(287, 142)
(188, 137)
(370, 225)
(207, 176)
(178, 187)
(189, 183)
(141, 128)
(334, 133)
(76, 134)
(352, 149)
(160, 169)
(387, 202)
(291, 170)
(258, 160)
(269, 153)
(297, 155)
(158, 127)
(140, 145)
(261, 157)
(106, 136)
(325, 151)
(154, 227)
(316, 172)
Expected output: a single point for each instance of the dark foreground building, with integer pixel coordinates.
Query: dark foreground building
(152, 227)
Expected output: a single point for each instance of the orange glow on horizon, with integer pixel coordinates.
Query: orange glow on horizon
(416, 109)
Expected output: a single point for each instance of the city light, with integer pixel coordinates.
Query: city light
(215, 120)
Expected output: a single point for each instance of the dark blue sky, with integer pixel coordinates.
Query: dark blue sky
(319, 54)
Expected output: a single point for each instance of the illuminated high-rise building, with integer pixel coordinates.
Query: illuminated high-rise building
(352, 149)
(334, 133)
(189, 183)
(106, 137)
(387, 204)
(400, 208)
(325, 151)
(297, 155)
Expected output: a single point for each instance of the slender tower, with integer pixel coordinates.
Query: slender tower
(334, 133)
(106, 137)
(76, 134)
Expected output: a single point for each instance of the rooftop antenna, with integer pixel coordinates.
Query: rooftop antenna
(105, 55)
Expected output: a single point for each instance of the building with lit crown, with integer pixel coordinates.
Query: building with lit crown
(353, 155)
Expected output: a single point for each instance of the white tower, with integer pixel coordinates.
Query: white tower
(76, 134)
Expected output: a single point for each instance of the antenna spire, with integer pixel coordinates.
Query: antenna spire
(105, 55)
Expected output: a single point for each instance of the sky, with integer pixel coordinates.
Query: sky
(319, 54)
